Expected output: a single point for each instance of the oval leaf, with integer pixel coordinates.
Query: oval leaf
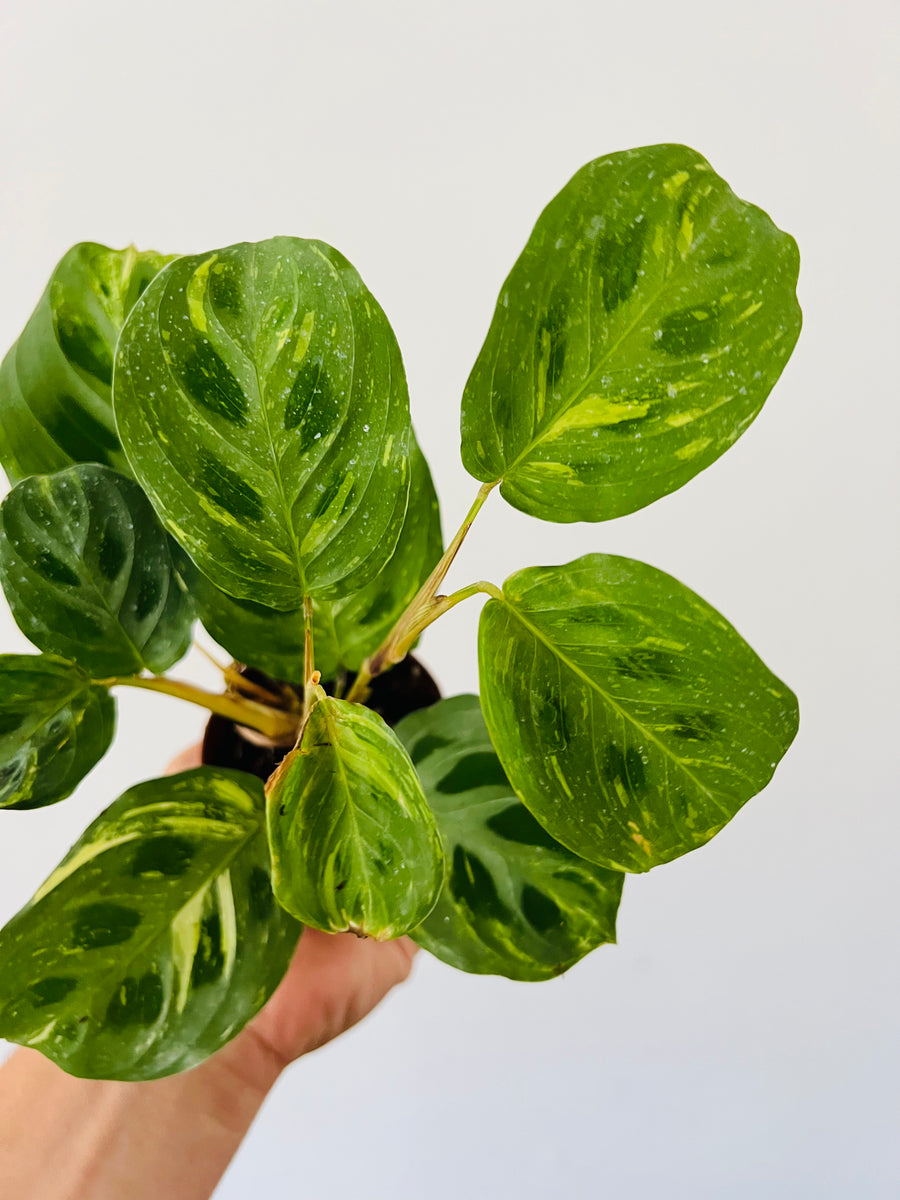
(156, 939)
(515, 902)
(86, 568)
(55, 726)
(630, 717)
(55, 382)
(261, 399)
(345, 631)
(354, 843)
(635, 339)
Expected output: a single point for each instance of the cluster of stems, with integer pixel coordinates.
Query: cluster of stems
(277, 712)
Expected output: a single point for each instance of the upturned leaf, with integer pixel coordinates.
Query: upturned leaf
(354, 843)
(344, 630)
(55, 382)
(630, 717)
(86, 568)
(156, 938)
(634, 340)
(55, 726)
(515, 902)
(261, 399)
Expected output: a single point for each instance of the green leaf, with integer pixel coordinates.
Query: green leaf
(55, 726)
(630, 717)
(156, 938)
(86, 568)
(515, 902)
(261, 399)
(345, 631)
(354, 843)
(635, 339)
(55, 382)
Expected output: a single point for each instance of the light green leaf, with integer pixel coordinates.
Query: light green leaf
(346, 630)
(55, 382)
(86, 568)
(630, 717)
(515, 902)
(354, 843)
(156, 938)
(634, 341)
(55, 726)
(261, 400)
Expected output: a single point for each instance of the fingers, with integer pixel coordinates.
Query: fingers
(333, 981)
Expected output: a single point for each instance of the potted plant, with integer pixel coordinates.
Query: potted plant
(225, 437)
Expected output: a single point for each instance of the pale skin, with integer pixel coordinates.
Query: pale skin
(63, 1138)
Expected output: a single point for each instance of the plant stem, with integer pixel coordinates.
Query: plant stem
(420, 612)
(443, 604)
(236, 680)
(274, 723)
(311, 676)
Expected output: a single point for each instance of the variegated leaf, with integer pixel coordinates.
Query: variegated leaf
(55, 726)
(156, 938)
(345, 630)
(634, 341)
(86, 568)
(630, 717)
(261, 399)
(55, 382)
(354, 843)
(515, 902)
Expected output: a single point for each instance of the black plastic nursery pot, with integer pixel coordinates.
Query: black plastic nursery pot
(403, 689)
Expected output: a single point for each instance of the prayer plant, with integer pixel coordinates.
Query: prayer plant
(225, 437)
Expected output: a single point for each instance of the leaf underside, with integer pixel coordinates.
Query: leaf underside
(156, 939)
(635, 339)
(630, 717)
(515, 902)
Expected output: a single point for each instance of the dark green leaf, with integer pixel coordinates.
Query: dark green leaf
(156, 938)
(515, 902)
(55, 382)
(344, 630)
(635, 339)
(55, 726)
(630, 717)
(261, 399)
(354, 843)
(86, 568)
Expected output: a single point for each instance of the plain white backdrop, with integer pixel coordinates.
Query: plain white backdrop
(743, 1039)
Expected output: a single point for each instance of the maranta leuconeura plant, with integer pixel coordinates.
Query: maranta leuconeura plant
(225, 438)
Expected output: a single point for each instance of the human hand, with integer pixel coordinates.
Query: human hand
(334, 980)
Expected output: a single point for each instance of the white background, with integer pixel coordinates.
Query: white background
(742, 1040)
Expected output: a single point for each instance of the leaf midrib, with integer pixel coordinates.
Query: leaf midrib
(603, 361)
(349, 810)
(270, 441)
